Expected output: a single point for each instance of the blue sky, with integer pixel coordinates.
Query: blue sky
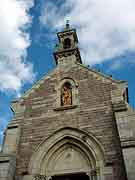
(106, 32)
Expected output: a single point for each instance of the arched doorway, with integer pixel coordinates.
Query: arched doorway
(79, 176)
(69, 154)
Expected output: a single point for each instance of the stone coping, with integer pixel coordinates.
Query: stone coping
(128, 142)
(6, 157)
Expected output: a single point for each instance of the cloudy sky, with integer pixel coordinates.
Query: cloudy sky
(106, 32)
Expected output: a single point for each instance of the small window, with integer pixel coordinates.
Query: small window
(66, 94)
(67, 43)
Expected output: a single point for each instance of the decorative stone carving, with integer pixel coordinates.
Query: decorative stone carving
(63, 152)
(66, 95)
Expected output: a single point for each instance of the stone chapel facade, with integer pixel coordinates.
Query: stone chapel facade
(75, 123)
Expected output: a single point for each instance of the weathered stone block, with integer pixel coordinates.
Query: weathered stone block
(11, 139)
(7, 167)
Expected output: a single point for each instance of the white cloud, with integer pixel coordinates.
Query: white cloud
(116, 65)
(106, 28)
(14, 41)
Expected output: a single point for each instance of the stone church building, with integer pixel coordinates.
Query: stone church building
(73, 124)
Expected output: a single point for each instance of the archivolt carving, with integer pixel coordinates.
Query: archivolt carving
(66, 157)
(66, 151)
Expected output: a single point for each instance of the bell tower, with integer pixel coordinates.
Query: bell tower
(67, 50)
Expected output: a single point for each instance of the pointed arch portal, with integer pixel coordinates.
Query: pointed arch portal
(68, 154)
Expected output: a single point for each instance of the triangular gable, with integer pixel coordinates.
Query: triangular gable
(101, 76)
(96, 74)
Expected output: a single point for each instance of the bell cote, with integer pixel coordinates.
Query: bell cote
(67, 51)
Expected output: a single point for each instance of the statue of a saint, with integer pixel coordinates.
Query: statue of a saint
(66, 97)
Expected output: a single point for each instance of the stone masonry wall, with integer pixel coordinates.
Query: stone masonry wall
(93, 114)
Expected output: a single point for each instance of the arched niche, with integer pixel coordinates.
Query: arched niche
(66, 94)
(67, 151)
(74, 91)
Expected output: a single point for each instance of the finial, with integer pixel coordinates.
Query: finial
(67, 24)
